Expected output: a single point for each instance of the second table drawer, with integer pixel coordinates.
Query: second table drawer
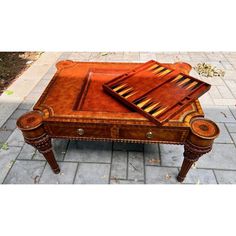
(153, 133)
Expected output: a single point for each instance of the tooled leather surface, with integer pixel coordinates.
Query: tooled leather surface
(59, 99)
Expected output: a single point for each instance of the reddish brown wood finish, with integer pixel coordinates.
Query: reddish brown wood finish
(199, 141)
(156, 91)
(74, 106)
(31, 124)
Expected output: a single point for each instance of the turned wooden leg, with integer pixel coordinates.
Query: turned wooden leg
(31, 125)
(43, 145)
(191, 154)
(200, 139)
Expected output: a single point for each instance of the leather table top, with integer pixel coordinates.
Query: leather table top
(75, 94)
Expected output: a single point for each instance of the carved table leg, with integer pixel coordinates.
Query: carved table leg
(199, 141)
(34, 134)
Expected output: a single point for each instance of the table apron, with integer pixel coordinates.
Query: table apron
(109, 132)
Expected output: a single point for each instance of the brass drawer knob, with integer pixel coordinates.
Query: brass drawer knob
(80, 131)
(149, 134)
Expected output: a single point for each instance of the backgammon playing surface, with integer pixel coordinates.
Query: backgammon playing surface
(156, 91)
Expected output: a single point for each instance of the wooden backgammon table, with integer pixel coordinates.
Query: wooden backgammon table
(75, 106)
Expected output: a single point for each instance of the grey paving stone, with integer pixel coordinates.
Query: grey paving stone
(224, 136)
(225, 92)
(17, 113)
(227, 65)
(231, 127)
(10, 124)
(138, 147)
(169, 59)
(171, 155)
(196, 60)
(4, 135)
(213, 80)
(59, 149)
(219, 114)
(200, 176)
(151, 154)
(146, 56)
(131, 56)
(162, 58)
(222, 156)
(183, 57)
(89, 152)
(230, 75)
(84, 56)
(41, 84)
(225, 102)
(38, 90)
(206, 100)
(66, 176)
(214, 92)
(135, 166)
(26, 104)
(25, 172)
(64, 56)
(31, 100)
(196, 75)
(115, 56)
(48, 76)
(38, 156)
(8, 104)
(225, 176)
(27, 152)
(119, 165)
(52, 69)
(231, 85)
(198, 54)
(7, 158)
(234, 137)
(36, 95)
(233, 110)
(228, 54)
(90, 173)
(16, 138)
(161, 175)
(232, 61)
(217, 63)
(120, 181)
(98, 57)
(214, 56)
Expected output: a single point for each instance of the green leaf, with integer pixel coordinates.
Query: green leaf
(8, 92)
(104, 53)
(4, 146)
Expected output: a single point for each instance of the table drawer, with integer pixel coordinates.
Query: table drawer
(155, 134)
(80, 130)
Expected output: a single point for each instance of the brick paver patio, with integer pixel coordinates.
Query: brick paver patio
(120, 163)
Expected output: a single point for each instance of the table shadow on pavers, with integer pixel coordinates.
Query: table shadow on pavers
(83, 151)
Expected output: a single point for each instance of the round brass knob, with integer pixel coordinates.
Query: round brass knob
(149, 134)
(80, 131)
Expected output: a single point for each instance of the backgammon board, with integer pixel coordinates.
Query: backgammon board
(156, 91)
